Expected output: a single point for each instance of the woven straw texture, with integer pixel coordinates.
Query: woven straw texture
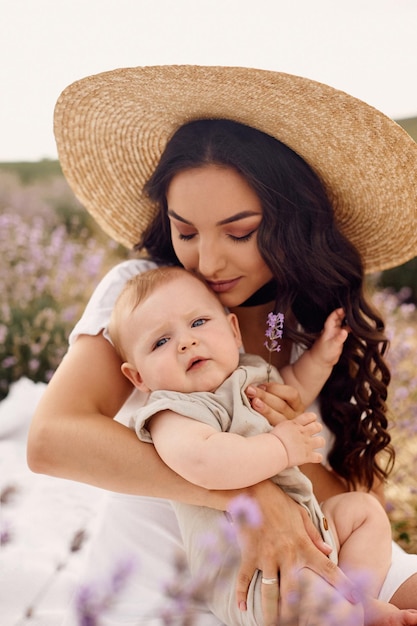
(111, 129)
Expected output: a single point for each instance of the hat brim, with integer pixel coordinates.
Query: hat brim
(112, 128)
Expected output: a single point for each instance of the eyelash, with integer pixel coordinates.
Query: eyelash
(244, 238)
(234, 239)
(200, 319)
(156, 346)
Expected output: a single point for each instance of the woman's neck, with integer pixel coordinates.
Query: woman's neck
(253, 324)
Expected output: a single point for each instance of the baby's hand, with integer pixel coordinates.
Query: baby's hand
(328, 347)
(299, 440)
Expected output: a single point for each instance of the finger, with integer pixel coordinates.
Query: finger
(331, 573)
(275, 408)
(308, 418)
(269, 599)
(288, 394)
(324, 567)
(243, 580)
(319, 442)
(289, 595)
(313, 430)
(314, 534)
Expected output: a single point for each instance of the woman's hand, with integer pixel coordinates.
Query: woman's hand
(286, 542)
(275, 401)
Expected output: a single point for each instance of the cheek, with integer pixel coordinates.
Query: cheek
(252, 257)
(178, 246)
(185, 254)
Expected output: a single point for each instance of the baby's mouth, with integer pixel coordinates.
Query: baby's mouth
(195, 362)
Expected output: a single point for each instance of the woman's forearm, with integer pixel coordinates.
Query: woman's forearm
(101, 452)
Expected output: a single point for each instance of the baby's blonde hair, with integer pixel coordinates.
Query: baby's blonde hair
(136, 291)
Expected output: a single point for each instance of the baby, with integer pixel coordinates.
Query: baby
(178, 343)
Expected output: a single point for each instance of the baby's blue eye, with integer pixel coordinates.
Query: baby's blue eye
(161, 342)
(199, 322)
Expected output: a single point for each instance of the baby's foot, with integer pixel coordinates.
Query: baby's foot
(378, 613)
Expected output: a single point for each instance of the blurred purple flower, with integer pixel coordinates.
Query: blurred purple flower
(94, 600)
(5, 533)
(245, 511)
(273, 333)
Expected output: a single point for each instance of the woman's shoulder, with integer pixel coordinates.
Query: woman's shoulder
(97, 312)
(125, 270)
(112, 283)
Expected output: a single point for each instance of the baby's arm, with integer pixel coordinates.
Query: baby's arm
(224, 460)
(310, 372)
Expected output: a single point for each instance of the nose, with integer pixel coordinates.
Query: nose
(186, 343)
(210, 259)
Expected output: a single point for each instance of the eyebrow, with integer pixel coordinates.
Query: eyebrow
(233, 218)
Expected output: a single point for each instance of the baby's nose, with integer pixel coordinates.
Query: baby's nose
(186, 344)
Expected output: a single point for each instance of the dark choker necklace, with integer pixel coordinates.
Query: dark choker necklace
(267, 293)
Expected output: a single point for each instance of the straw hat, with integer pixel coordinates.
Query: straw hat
(111, 129)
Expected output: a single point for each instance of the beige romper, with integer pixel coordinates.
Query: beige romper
(227, 409)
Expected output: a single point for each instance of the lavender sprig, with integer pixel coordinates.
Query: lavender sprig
(273, 333)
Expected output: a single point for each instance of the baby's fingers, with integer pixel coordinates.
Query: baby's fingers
(318, 442)
(306, 419)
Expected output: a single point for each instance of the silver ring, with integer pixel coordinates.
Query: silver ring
(269, 581)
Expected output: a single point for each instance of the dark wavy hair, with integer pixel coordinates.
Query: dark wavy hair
(316, 268)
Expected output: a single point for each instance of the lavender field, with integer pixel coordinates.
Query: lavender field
(51, 257)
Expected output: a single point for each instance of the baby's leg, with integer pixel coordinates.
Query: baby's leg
(364, 535)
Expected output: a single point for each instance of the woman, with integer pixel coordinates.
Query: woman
(242, 208)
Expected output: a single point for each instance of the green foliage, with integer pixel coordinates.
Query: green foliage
(410, 125)
(402, 278)
(29, 172)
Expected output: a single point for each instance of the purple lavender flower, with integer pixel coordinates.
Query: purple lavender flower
(5, 533)
(273, 333)
(245, 511)
(95, 599)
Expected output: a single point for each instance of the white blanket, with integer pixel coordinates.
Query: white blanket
(41, 518)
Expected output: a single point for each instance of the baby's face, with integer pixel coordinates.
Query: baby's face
(182, 340)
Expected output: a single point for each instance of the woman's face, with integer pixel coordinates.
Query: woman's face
(215, 216)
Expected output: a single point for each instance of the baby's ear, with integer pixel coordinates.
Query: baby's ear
(234, 323)
(135, 378)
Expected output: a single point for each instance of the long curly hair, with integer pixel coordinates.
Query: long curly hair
(316, 269)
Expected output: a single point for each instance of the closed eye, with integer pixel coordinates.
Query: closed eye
(244, 237)
(185, 237)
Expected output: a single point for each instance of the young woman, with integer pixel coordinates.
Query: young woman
(278, 192)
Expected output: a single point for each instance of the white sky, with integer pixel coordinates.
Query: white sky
(365, 47)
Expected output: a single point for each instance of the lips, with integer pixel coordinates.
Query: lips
(222, 286)
(195, 362)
